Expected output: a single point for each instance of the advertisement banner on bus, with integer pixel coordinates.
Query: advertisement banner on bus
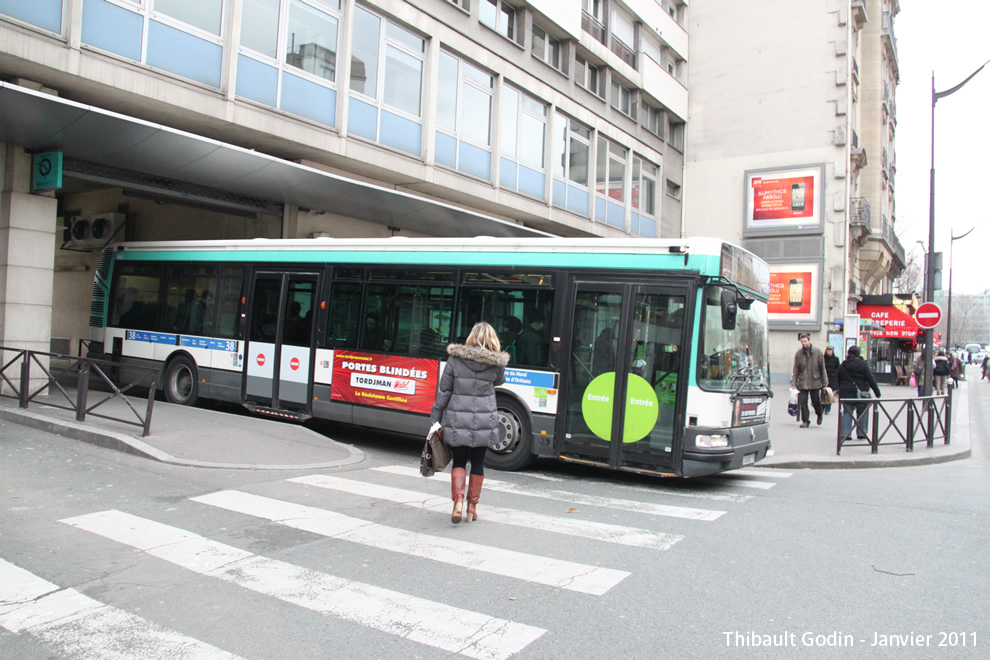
(386, 381)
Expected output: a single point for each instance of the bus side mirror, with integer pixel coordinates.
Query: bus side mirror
(729, 308)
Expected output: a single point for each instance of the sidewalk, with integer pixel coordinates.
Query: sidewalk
(196, 437)
(814, 447)
(202, 437)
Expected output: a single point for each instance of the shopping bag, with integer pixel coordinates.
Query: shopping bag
(792, 403)
(439, 451)
(426, 460)
(913, 381)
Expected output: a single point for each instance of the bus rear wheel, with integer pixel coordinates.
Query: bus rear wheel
(514, 450)
(181, 382)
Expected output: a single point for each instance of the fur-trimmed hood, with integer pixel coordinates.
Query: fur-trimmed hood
(478, 354)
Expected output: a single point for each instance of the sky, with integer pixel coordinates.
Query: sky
(949, 38)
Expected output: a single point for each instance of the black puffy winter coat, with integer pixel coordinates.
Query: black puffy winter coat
(465, 403)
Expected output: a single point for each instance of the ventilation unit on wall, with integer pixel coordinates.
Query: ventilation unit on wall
(92, 232)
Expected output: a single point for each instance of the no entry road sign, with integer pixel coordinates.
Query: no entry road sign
(928, 315)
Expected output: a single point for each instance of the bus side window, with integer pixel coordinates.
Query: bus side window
(519, 316)
(344, 319)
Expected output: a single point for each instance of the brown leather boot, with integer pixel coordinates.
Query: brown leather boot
(457, 478)
(474, 493)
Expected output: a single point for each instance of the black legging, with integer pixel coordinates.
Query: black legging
(475, 454)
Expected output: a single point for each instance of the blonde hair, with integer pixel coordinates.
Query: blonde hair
(482, 334)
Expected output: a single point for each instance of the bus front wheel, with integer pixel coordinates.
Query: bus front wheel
(514, 450)
(181, 384)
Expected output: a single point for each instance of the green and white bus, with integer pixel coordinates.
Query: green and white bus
(640, 355)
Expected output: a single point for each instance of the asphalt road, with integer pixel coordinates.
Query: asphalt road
(107, 555)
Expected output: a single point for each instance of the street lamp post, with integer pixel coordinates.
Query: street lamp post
(948, 315)
(930, 292)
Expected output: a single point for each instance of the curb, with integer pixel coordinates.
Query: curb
(797, 463)
(135, 447)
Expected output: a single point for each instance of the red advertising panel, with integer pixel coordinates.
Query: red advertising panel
(790, 292)
(783, 198)
(889, 321)
(387, 381)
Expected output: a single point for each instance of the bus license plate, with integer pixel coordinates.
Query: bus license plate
(749, 459)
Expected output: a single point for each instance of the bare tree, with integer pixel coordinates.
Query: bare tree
(912, 277)
(969, 320)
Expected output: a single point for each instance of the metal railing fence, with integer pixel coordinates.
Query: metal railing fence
(80, 370)
(897, 421)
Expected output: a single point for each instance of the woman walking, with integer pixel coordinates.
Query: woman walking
(832, 369)
(465, 407)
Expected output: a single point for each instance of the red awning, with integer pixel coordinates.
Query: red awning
(890, 322)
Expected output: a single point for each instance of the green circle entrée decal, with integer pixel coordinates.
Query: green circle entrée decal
(642, 407)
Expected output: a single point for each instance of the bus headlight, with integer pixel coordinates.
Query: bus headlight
(710, 441)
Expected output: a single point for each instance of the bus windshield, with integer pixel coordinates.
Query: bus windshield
(733, 359)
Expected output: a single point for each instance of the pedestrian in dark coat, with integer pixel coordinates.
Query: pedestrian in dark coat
(466, 409)
(832, 369)
(855, 376)
(809, 377)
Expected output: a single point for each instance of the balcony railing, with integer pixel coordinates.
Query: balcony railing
(887, 232)
(859, 211)
(624, 52)
(887, 34)
(594, 27)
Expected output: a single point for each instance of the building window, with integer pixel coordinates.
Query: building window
(522, 165)
(386, 83)
(464, 117)
(302, 80)
(610, 183)
(623, 34)
(643, 198)
(673, 190)
(676, 135)
(203, 14)
(571, 160)
(463, 4)
(653, 119)
(622, 99)
(546, 47)
(177, 36)
(593, 19)
(499, 16)
(590, 76)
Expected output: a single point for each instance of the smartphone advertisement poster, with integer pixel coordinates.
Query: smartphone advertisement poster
(386, 381)
(783, 199)
(793, 293)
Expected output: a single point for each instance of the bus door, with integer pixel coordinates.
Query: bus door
(280, 341)
(627, 362)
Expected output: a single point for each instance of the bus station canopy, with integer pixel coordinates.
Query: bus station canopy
(103, 146)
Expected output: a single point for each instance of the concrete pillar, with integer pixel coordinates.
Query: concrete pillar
(27, 257)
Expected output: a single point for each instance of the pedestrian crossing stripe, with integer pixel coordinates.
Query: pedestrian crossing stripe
(75, 625)
(743, 483)
(763, 472)
(619, 534)
(573, 576)
(632, 506)
(428, 622)
(653, 489)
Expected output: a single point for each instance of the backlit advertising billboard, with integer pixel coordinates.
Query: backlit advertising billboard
(784, 200)
(794, 295)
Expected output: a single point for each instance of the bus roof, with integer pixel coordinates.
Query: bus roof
(709, 246)
(708, 256)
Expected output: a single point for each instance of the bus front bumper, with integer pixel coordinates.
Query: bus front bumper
(747, 445)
